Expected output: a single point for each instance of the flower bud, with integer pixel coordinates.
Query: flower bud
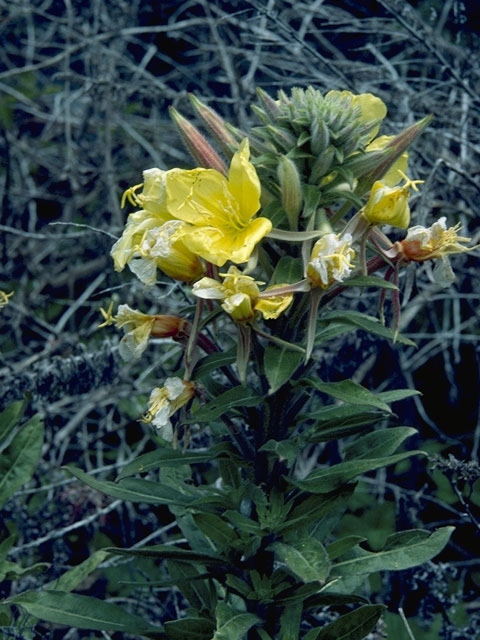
(216, 126)
(289, 180)
(201, 150)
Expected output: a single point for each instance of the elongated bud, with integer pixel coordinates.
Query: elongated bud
(201, 150)
(269, 104)
(320, 136)
(291, 188)
(216, 126)
(322, 165)
(281, 137)
(394, 149)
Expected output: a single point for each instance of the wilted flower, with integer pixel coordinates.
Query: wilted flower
(389, 205)
(138, 328)
(331, 260)
(219, 211)
(165, 401)
(435, 242)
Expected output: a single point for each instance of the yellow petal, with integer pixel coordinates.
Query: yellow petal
(394, 174)
(243, 182)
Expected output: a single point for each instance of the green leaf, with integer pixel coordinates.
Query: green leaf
(280, 364)
(340, 547)
(338, 421)
(241, 522)
(285, 450)
(134, 490)
(402, 550)
(351, 626)
(198, 592)
(167, 457)
(347, 391)
(288, 270)
(314, 508)
(81, 612)
(306, 558)
(379, 443)
(232, 624)
(367, 323)
(368, 281)
(290, 621)
(9, 418)
(237, 397)
(329, 478)
(74, 576)
(215, 529)
(190, 629)
(214, 361)
(398, 394)
(169, 552)
(13, 571)
(18, 461)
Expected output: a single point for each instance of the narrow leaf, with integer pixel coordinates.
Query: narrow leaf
(329, 478)
(169, 552)
(351, 626)
(81, 612)
(9, 418)
(214, 361)
(378, 444)
(135, 490)
(368, 281)
(347, 391)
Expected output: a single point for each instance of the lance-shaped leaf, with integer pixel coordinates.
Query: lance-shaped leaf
(169, 552)
(83, 612)
(329, 478)
(134, 490)
(9, 418)
(280, 364)
(378, 444)
(402, 550)
(355, 625)
(347, 391)
(190, 629)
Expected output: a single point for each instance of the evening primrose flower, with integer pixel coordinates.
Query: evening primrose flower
(240, 296)
(165, 401)
(389, 205)
(138, 328)
(331, 260)
(164, 248)
(219, 211)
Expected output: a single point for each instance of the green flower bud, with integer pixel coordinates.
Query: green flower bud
(291, 189)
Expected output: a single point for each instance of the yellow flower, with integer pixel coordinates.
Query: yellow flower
(165, 401)
(238, 292)
(4, 298)
(389, 205)
(396, 172)
(219, 211)
(331, 260)
(139, 327)
(240, 296)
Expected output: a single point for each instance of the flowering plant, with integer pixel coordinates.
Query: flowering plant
(264, 249)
